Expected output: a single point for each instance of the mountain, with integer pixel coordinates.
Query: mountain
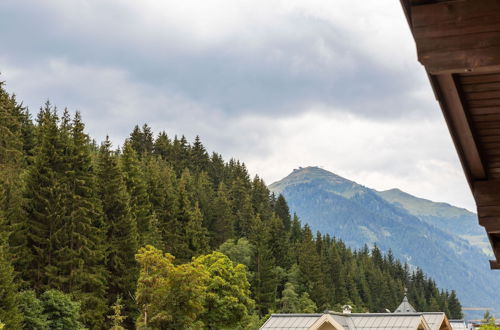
(452, 219)
(433, 236)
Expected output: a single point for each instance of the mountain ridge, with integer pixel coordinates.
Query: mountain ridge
(421, 232)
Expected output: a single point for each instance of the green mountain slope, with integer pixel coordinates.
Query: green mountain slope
(416, 230)
(452, 219)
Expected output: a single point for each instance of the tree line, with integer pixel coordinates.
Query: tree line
(160, 234)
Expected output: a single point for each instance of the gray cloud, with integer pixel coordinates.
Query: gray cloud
(245, 75)
(277, 68)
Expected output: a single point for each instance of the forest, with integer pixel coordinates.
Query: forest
(158, 233)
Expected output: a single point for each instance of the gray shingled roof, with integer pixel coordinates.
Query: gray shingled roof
(434, 320)
(291, 321)
(377, 321)
(458, 325)
(405, 307)
(354, 321)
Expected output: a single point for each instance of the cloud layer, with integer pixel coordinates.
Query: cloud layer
(279, 84)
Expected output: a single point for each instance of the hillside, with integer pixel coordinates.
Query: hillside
(449, 218)
(158, 226)
(422, 232)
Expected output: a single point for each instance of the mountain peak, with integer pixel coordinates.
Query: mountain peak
(307, 174)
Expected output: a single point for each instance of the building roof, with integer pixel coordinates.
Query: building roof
(291, 321)
(405, 307)
(435, 320)
(458, 43)
(357, 321)
(458, 325)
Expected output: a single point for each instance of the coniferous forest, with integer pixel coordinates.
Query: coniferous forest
(156, 233)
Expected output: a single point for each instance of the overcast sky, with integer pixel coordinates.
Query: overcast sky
(276, 84)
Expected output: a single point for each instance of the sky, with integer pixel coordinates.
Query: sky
(276, 84)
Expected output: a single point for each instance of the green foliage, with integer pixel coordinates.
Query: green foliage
(121, 235)
(117, 318)
(291, 302)
(488, 322)
(34, 317)
(240, 251)
(73, 216)
(169, 296)
(222, 225)
(140, 204)
(227, 301)
(62, 313)
(9, 312)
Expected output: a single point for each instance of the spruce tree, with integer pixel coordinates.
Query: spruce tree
(222, 227)
(283, 212)
(241, 205)
(121, 230)
(140, 205)
(163, 192)
(199, 157)
(162, 146)
(79, 253)
(45, 195)
(9, 300)
(264, 281)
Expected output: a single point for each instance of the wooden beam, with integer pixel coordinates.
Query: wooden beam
(459, 127)
(494, 264)
(486, 192)
(460, 61)
(491, 224)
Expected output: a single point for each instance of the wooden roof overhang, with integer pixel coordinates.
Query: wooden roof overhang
(458, 43)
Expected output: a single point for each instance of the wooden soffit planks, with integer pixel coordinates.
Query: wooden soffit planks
(457, 36)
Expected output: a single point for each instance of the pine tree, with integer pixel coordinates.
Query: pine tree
(79, 253)
(163, 192)
(180, 155)
(264, 281)
(279, 242)
(121, 235)
(140, 205)
(15, 149)
(61, 311)
(222, 226)
(193, 236)
(283, 212)
(454, 306)
(241, 205)
(310, 268)
(142, 141)
(31, 307)
(9, 300)
(199, 157)
(117, 318)
(162, 146)
(45, 194)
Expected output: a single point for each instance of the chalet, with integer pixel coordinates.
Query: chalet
(458, 43)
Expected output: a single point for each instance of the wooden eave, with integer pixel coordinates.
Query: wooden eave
(458, 43)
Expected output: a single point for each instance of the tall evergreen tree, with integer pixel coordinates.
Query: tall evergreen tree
(264, 281)
(121, 234)
(140, 205)
(9, 300)
(78, 266)
(45, 194)
(199, 157)
(222, 227)
(283, 212)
